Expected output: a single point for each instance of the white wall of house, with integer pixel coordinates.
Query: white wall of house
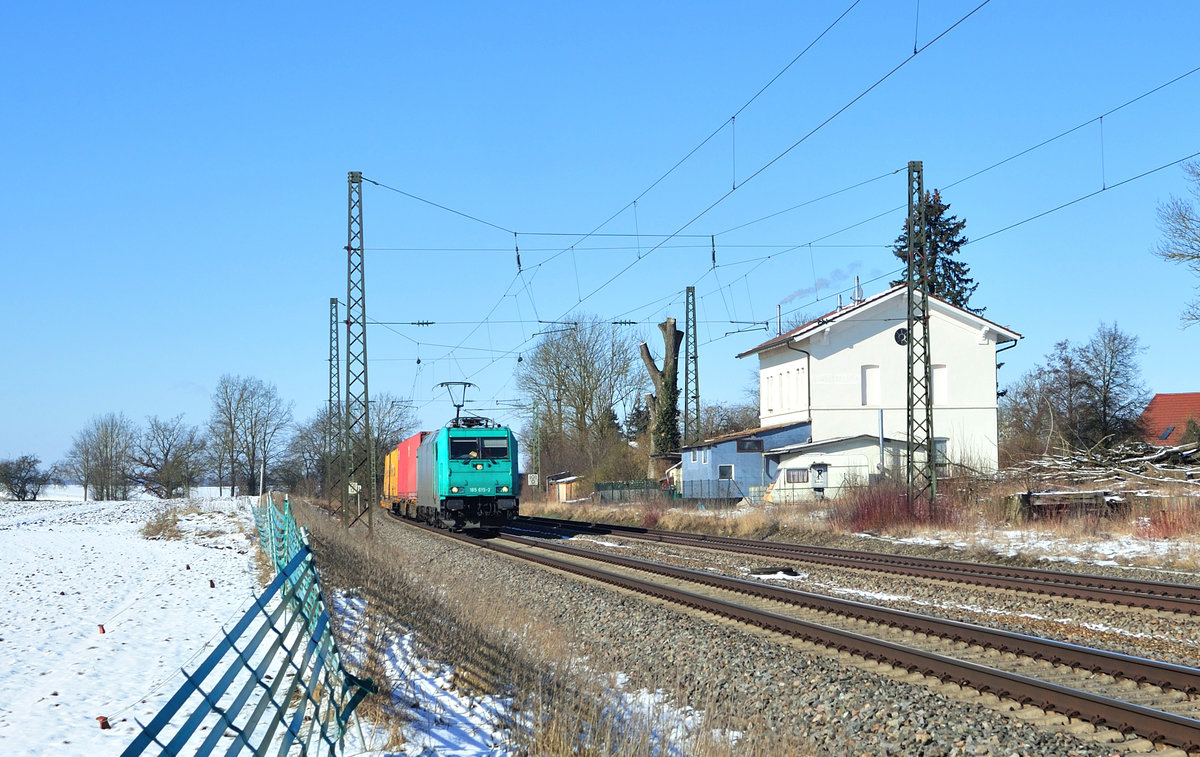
(853, 368)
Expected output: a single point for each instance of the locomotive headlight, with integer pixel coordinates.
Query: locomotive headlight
(478, 466)
(504, 490)
(454, 490)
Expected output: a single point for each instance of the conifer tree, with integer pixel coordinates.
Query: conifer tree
(948, 277)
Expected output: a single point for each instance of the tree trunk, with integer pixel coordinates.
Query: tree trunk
(664, 403)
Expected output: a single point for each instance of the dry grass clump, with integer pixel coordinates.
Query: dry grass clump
(164, 525)
(887, 507)
(1167, 517)
(493, 646)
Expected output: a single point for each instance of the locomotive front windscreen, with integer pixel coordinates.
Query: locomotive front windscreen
(495, 448)
(464, 448)
(472, 447)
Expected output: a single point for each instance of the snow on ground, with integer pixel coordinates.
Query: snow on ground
(1096, 550)
(67, 568)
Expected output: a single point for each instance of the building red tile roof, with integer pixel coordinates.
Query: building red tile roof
(1165, 418)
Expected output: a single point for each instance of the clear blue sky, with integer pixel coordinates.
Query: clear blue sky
(174, 183)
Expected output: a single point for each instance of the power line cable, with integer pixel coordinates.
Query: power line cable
(794, 145)
(438, 205)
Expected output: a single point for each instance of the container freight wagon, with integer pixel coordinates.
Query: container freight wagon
(400, 474)
(466, 476)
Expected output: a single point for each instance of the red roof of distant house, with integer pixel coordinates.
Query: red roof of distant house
(1165, 418)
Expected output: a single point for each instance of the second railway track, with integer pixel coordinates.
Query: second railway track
(1151, 595)
(1158, 701)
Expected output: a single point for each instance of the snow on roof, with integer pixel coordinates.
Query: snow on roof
(804, 330)
(1165, 418)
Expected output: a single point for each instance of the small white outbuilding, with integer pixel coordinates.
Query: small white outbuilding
(816, 470)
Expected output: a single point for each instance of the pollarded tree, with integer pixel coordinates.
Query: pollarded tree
(948, 277)
(1179, 221)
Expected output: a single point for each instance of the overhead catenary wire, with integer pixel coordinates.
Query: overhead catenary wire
(998, 231)
(792, 147)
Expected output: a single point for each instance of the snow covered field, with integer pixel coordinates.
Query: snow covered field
(68, 568)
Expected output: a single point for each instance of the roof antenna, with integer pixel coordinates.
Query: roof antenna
(858, 293)
(778, 320)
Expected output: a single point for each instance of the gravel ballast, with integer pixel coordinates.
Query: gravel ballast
(788, 697)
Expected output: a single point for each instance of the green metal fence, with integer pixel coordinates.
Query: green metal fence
(275, 683)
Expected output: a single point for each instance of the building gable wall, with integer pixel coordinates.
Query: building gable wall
(855, 370)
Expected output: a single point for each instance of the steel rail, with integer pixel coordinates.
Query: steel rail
(1142, 670)
(1152, 595)
(1155, 725)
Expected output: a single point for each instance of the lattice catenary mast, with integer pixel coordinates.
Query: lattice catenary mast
(691, 373)
(359, 446)
(333, 416)
(920, 465)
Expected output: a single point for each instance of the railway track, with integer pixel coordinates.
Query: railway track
(1158, 701)
(1150, 595)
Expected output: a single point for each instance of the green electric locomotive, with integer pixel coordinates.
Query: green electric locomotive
(467, 475)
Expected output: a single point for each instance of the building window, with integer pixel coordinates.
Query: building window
(941, 385)
(940, 458)
(749, 445)
(769, 394)
(725, 472)
(704, 456)
(870, 385)
(693, 456)
(797, 475)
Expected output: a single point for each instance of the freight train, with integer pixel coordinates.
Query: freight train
(463, 475)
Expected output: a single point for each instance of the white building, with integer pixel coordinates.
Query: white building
(846, 374)
(816, 470)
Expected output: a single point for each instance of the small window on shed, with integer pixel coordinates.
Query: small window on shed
(1167, 433)
(725, 472)
(704, 456)
(749, 445)
(797, 475)
(694, 455)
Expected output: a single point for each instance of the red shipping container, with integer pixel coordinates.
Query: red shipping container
(402, 472)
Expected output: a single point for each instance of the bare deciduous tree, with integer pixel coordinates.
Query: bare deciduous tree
(308, 451)
(572, 381)
(246, 421)
(1179, 221)
(22, 477)
(1082, 396)
(169, 456)
(101, 457)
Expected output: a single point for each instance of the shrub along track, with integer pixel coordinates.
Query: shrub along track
(1150, 595)
(1158, 701)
